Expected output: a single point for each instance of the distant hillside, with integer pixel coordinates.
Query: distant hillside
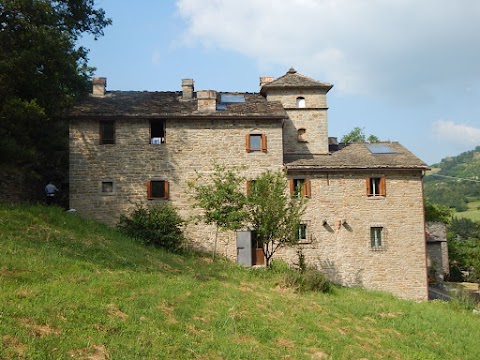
(455, 182)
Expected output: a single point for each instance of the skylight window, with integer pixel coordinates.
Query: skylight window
(380, 149)
(229, 98)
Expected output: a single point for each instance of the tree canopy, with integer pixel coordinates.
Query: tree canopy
(358, 135)
(42, 71)
(266, 207)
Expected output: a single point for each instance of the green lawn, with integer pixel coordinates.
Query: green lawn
(74, 289)
(473, 212)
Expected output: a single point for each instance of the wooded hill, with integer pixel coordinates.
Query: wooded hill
(455, 182)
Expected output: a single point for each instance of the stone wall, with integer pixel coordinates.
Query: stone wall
(339, 216)
(312, 118)
(191, 147)
(437, 249)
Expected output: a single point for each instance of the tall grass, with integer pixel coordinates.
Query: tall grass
(71, 288)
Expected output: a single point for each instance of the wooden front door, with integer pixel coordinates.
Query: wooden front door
(258, 258)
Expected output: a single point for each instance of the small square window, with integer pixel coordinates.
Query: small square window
(376, 186)
(376, 237)
(256, 143)
(302, 232)
(300, 187)
(107, 187)
(107, 132)
(157, 189)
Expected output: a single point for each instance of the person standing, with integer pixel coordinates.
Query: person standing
(50, 192)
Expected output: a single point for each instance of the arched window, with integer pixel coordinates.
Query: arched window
(301, 135)
(300, 102)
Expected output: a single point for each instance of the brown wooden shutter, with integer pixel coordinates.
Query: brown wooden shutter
(292, 187)
(383, 188)
(369, 189)
(249, 187)
(307, 188)
(264, 143)
(166, 189)
(149, 189)
(247, 143)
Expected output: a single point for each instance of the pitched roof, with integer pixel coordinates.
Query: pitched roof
(169, 104)
(293, 80)
(357, 156)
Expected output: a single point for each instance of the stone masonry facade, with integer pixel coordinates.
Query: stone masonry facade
(364, 217)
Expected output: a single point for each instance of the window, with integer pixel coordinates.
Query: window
(301, 135)
(157, 131)
(300, 102)
(250, 186)
(157, 189)
(300, 187)
(107, 187)
(256, 142)
(107, 132)
(376, 186)
(302, 232)
(376, 237)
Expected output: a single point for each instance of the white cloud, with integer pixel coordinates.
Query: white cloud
(376, 47)
(456, 133)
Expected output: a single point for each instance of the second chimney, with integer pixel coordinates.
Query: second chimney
(264, 80)
(207, 100)
(99, 86)
(187, 89)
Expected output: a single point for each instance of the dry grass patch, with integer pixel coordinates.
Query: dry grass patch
(13, 346)
(96, 352)
(114, 311)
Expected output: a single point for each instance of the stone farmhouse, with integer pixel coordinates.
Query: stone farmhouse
(364, 222)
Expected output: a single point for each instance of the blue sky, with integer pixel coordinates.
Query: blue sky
(404, 70)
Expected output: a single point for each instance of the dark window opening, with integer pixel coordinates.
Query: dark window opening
(107, 132)
(107, 186)
(302, 232)
(157, 189)
(157, 132)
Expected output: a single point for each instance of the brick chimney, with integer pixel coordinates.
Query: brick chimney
(187, 89)
(99, 85)
(264, 80)
(207, 100)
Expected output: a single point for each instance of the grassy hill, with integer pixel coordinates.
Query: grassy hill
(74, 289)
(455, 182)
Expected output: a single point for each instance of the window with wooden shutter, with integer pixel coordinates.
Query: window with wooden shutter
(250, 186)
(300, 187)
(157, 189)
(256, 143)
(376, 186)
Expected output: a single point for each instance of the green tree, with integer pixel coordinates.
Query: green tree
(274, 215)
(42, 70)
(268, 209)
(358, 135)
(439, 213)
(223, 204)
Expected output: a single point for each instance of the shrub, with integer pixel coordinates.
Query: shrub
(308, 280)
(158, 225)
(279, 267)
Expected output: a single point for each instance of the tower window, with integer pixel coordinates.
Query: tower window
(300, 102)
(301, 135)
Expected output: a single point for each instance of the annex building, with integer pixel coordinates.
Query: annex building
(364, 221)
